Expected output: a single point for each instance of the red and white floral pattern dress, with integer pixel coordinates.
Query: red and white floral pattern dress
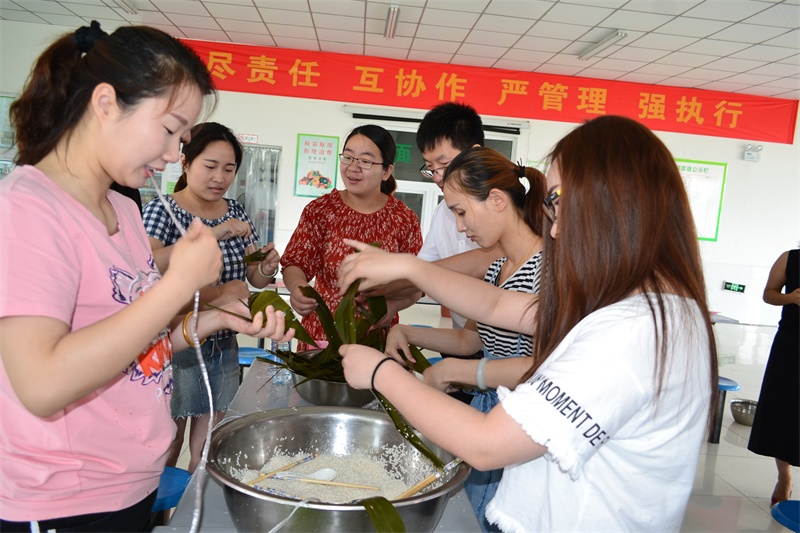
(316, 246)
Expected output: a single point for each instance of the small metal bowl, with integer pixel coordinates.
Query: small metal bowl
(743, 411)
(321, 392)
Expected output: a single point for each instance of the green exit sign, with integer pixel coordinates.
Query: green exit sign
(733, 287)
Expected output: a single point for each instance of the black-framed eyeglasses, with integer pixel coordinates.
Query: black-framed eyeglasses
(550, 205)
(429, 172)
(364, 164)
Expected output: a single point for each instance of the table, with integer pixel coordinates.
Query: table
(254, 395)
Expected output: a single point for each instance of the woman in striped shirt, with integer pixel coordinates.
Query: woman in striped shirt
(496, 202)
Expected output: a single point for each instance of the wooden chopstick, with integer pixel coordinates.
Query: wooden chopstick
(418, 487)
(335, 483)
(428, 480)
(287, 467)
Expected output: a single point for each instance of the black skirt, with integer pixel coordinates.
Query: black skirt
(776, 426)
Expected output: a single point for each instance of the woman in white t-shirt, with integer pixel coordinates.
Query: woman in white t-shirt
(601, 429)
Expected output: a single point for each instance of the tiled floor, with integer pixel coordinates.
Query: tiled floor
(732, 486)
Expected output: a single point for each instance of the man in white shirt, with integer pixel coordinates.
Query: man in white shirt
(446, 131)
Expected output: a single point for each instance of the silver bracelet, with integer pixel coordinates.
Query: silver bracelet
(268, 276)
(479, 374)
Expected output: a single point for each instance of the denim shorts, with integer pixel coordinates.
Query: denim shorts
(189, 396)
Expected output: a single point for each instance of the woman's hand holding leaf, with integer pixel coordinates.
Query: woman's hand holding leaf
(301, 303)
(397, 344)
(372, 265)
(267, 323)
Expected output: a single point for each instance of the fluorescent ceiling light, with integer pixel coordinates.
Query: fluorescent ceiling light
(598, 47)
(391, 22)
(127, 7)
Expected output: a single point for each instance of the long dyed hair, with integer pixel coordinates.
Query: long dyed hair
(624, 225)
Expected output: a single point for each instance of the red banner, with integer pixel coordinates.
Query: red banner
(507, 93)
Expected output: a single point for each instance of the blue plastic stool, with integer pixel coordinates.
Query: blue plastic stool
(725, 385)
(787, 514)
(248, 354)
(170, 488)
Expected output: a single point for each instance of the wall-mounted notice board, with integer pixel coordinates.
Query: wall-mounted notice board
(705, 184)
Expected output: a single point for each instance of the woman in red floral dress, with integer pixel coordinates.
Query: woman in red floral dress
(366, 211)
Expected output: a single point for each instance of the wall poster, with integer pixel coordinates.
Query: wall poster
(705, 184)
(317, 164)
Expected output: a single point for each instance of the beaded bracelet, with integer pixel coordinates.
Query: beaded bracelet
(268, 276)
(479, 374)
(186, 334)
(375, 372)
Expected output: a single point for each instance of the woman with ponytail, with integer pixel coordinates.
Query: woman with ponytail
(495, 203)
(87, 322)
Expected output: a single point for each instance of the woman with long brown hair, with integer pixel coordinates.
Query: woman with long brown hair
(601, 429)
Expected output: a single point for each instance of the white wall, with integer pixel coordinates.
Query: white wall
(760, 211)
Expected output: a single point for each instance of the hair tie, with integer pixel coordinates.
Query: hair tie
(86, 36)
(523, 178)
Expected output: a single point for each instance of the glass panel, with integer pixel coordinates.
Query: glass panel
(259, 196)
(504, 147)
(413, 200)
(409, 158)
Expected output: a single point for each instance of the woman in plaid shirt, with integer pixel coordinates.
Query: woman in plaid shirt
(209, 161)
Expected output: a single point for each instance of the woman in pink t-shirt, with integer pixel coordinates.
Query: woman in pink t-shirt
(86, 347)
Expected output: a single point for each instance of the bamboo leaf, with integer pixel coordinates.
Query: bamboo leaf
(260, 300)
(325, 316)
(237, 315)
(377, 307)
(345, 315)
(407, 431)
(384, 516)
(255, 257)
(421, 362)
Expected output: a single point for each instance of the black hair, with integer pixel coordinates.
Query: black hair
(478, 170)
(137, 61)
(385, 143)
(458, 123)
(202, 135)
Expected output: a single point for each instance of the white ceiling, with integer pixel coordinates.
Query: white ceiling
(746, 46)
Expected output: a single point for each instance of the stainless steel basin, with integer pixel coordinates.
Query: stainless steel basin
(249, 442)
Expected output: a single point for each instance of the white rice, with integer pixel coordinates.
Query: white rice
(385, 473)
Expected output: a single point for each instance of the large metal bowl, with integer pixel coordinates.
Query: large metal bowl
(321, 392)
(249, 442)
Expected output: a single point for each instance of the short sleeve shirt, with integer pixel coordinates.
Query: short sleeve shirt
(317, 246)
(107, 450)
(619, 456)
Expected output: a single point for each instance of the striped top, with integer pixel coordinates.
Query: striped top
(502, 342)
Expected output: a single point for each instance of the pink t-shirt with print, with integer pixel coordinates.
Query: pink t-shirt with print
(106, 451)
